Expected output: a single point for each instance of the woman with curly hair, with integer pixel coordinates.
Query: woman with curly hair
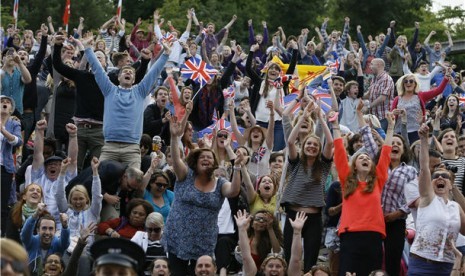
(362, 227)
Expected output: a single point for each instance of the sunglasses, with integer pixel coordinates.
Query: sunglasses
(156, 230)
(409, 81)
(259, 219)
(17, 266)
(222, 135)
(161, 185)
(443, 175)
(52, 261)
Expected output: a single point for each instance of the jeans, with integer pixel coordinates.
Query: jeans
(419, 267)
(384, 124)
(279, 142)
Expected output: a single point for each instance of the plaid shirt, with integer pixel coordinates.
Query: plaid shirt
(393, 198)
(380, 85)
(340, 43)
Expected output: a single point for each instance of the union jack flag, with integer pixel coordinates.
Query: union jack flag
(322, 97)
(169, 37)
(288, 100)
(229, 93)
(258, 155)
(220, 124)
(197, 70)
(461, 99)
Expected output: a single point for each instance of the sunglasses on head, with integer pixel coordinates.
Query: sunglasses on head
(222, 135)
(17, 266)
(409, 81)
(155, 230)
(444, 175)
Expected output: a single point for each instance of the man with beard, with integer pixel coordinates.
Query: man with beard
(44, 243)
(45, 172)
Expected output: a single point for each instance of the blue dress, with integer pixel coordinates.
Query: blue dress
(191, 229)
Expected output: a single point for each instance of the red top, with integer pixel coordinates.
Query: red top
(362, 211)
(127, 231)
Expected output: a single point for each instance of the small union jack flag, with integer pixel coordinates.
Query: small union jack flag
(259, 154)
(229, 93)
(169, 37)
(197, 70)
(220, 124)
(461, 99)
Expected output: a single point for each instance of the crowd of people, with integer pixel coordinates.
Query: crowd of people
(115, 163)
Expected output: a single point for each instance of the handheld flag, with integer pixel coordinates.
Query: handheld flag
(118, 10)
(67, 13)
(15, 10)
(322, 97)
(229, 93)
(198, 71)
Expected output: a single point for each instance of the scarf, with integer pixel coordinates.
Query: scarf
(27, 211)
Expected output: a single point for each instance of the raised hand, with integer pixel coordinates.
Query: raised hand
(85, 232)
(242, 219)
(299, 221)
(64, 165)
(64, 220)
(254, 47)
(95, 163)
(71, 129)
(176, 128)
(423, 132)
(41, 125)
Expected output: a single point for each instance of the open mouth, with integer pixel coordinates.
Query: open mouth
(365, 164)
(267, 188)
(441, 185)
(395, 150)
(53, 171)
(5, 106)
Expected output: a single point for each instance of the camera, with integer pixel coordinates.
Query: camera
(451, 168)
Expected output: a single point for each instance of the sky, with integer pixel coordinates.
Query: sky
(437, 4)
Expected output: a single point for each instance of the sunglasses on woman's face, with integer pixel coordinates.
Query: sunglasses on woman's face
(409, 81)
(161, 184)
(260, 219)
(222, 135)
(443, 175)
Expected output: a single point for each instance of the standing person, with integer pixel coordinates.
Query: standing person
(123, 115)
(395, 207)
(268, 90)
(307, 172)
(439, 219)
(413, 101)
(46, 172)
(380, 93)
(362, 227)
(80, 209)
(191, 229)
(14, 76)
(10, 137)
(211, 39)
(434, 54)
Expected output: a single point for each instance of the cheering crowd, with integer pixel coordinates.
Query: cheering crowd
(171, 151)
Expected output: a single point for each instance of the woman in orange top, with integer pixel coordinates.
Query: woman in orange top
(362, 227)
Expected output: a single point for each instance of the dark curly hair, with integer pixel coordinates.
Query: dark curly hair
(193, 157)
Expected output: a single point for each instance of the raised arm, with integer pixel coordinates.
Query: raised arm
(25, 75)
(293, 154)
(328, 148)
(60, 196)
(449, 38)
(232, 119)
(249, 188)
(390, 130)
(295, 263)
(426, 42)
(50, 25)
(424, 181)
(243, 221)
(72, 146)
(232, 189)
(270, 129)
(38, 156)
(230, 23)
(179, 167)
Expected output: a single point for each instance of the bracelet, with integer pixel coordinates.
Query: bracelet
(111, 233)
(390, 128)
(335, 128)
(297, 99)
(73, 136)
(237, 168)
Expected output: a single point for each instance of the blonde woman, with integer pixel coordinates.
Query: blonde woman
(413, 101)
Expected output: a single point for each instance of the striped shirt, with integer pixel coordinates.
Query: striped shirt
(381, 84)
(459, 175)
(302, 188)
(154, 250)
